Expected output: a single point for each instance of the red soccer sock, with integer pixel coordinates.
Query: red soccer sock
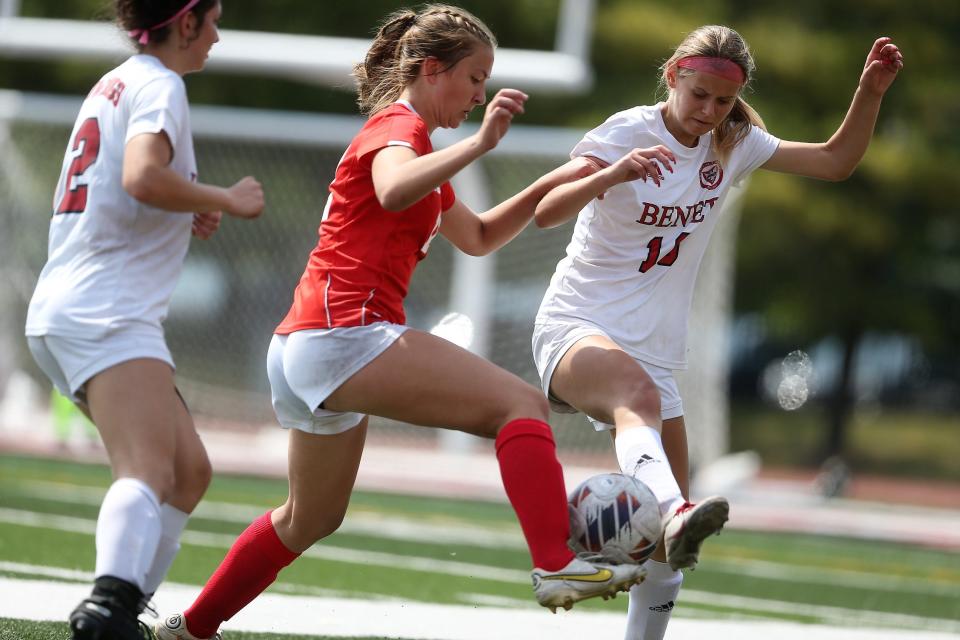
(251, 565)
(533, 479)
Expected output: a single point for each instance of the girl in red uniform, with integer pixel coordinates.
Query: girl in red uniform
(343, 351)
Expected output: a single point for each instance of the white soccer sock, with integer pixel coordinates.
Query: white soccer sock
(640, 454)
(652, 602)
(128, 531)
(172, 522)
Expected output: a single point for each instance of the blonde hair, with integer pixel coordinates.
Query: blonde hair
(407, 38)
(720, 42)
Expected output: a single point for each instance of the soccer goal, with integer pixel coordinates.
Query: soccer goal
(236, 287)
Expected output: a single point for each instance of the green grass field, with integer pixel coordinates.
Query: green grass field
(463, 552)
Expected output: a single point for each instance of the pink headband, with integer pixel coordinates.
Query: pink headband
(722, 67)
(143, 35)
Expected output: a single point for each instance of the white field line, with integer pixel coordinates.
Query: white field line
(455, 532)
(437, 530)
(40, 600)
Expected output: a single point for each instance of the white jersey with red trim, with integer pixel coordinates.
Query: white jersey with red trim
(633, 259)
(360, 270)
(113, 261)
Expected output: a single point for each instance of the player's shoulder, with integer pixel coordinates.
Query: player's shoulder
(641, 115)
(396, 122)
(141, 72)
(398, 114)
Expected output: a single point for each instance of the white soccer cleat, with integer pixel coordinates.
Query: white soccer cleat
(581, 579)
(689, 526)
(175, 628)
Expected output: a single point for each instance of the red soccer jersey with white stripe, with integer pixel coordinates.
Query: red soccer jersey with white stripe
(359, 271)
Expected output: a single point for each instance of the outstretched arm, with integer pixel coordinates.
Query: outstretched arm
(480, 234)
(836, 158)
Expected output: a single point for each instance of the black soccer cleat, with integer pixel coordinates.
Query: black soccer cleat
(110, 613)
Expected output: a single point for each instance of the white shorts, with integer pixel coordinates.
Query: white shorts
(551, 340)
(71, 362)
(305, 367)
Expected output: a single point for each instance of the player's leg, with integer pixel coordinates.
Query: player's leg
(192, 474)
(133, 404)
(425, 380)
(652, 602)
(598, 378)
(322, 470)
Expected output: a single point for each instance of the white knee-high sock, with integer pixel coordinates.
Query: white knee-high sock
(652, 602)
(640, 454)
(172, 523)
(128, 531)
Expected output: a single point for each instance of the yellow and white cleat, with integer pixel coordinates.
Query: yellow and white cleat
(582, 579)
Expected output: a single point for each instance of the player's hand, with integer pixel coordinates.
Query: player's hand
(880, 70)
(246, 198)
(206, 224)
(641, 164)
(498, 116)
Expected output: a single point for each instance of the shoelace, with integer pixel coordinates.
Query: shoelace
(148, 607)
(590, 556)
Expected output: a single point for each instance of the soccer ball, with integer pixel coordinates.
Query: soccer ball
(616, 517)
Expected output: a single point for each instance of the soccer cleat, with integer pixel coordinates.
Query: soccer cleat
(175, 628)
(582, 579)
(689, 526)
(110, 613)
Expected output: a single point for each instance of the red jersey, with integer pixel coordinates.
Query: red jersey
(359, 271)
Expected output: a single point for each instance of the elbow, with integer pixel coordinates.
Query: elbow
(392, 199)
(839, 174)
(138, 185)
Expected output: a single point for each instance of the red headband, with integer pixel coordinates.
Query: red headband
(143, 35)
(721, 67)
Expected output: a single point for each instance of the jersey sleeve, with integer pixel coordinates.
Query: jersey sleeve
(754, 150)
(160, 105)
(610, 141)
(393, 130)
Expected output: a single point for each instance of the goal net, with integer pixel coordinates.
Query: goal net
(237, 286)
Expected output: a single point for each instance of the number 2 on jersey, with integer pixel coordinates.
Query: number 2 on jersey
(75, 195)
(653, 253)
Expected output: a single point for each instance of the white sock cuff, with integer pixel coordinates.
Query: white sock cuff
(172, 521)
(628, 441)
(140, 486)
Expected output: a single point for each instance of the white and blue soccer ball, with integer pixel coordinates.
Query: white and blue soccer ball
(616, 517)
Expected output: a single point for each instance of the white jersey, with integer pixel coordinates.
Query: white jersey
(112, 261)
(633, 259)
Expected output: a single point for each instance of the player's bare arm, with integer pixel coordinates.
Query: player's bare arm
(565, 201)
(148, 177)
(836, 158)
(480, 234)
(401, 177)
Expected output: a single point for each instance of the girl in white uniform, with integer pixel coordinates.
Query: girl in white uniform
(125, 205)
(612, 325)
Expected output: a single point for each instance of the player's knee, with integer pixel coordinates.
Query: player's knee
(525, 401)
(644, 399)
(306, 531)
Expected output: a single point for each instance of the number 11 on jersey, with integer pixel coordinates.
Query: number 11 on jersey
(653, 253)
